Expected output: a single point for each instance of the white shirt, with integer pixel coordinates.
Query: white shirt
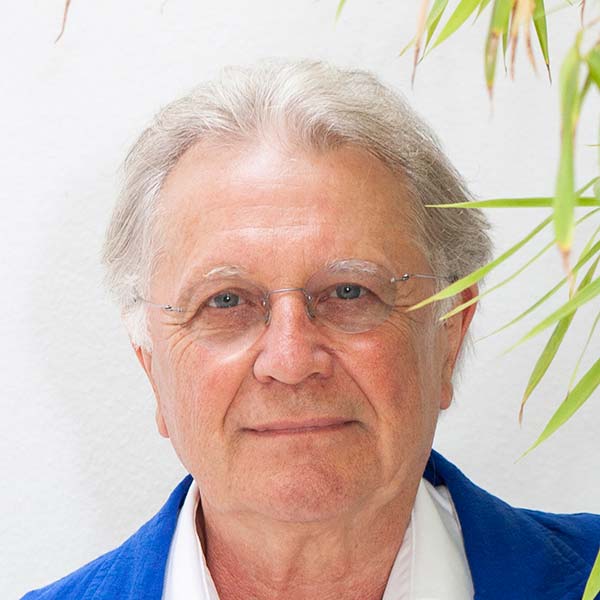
(430, 565)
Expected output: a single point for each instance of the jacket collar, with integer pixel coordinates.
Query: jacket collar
(512, 553)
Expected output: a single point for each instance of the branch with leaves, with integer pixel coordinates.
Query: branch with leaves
(579, 73)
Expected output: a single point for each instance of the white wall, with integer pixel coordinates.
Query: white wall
(82, 464)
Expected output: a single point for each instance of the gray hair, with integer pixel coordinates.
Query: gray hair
(309, 105)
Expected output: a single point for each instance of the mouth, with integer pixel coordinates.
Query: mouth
(307, 426)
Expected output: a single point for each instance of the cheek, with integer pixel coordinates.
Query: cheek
(397, 369)
(196, 388)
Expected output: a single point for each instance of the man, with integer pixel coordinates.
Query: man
(269, 242)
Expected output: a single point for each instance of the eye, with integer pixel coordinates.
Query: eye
(225, 299)
(349, 291)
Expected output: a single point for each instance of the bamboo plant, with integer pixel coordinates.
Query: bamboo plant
(510, 21)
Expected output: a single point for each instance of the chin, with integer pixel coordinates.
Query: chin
(309, 494)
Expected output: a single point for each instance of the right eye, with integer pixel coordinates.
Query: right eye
(227, 299)
(349, 291)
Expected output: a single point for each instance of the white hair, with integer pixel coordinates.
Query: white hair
(304, 104)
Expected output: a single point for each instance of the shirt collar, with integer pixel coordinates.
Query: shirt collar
(432, 544)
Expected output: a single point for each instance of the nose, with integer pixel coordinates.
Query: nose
(292, 347)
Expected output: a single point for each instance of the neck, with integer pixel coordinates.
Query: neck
(346, 558)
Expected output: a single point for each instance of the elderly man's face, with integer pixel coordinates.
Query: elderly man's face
(249, 422)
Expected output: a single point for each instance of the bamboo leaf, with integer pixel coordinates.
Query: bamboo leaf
(469, 280)
(541, 202)
(593, 62)
(564, 198)
(435, 14)
(520, 20)
(498, 27)
(520, 270)
(504, 47)
(541, 29)
(588, 185)
(482, 7)
(433, 20)
(403, 51)
(549, 352)
(421, 27)
(462, 12)
(508, 279)
(587, 250)
(583, 351)
(579, 299)
(571, 404)
(339, 10)
(582, 260)
(592, 588)
(64, 20)
(526, 202)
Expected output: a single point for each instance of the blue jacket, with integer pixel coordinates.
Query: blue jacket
(513, 553)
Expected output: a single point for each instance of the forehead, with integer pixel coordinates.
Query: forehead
(258, 206)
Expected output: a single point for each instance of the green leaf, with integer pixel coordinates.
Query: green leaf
(585, 256)
(541, 202)
(593, 62)
(592, 588)
(549, 352)
(339, 10)
(587, 250)
(522, 268)
(498, 27)
(482, 7)
(588, 185)
(508, 279)
(433, 19)
(583, 351)
(541, 29)
(571, 404)
(579, 299)
(462, 12)
(501, 15)
(564, 198)
(469, 280)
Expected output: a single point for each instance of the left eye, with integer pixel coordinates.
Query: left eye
(349, 291)
(225, 300)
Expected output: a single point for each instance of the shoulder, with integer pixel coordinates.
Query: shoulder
(139, 563)
(580, 531)
(78, 583)
(517, 552)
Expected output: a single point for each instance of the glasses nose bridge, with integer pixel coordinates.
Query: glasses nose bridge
(307, 300)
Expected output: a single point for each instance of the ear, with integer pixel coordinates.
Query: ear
(456, 329)
(145, 359)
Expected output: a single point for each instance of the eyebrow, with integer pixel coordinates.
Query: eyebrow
(352, 263)
(213, 273)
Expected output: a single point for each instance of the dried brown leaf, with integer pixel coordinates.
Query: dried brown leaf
(421, 25)
(522, 15)
(64, 21)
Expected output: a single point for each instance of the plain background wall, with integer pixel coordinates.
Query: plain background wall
(82, 463)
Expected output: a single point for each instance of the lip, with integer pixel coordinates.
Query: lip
(303, 426)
